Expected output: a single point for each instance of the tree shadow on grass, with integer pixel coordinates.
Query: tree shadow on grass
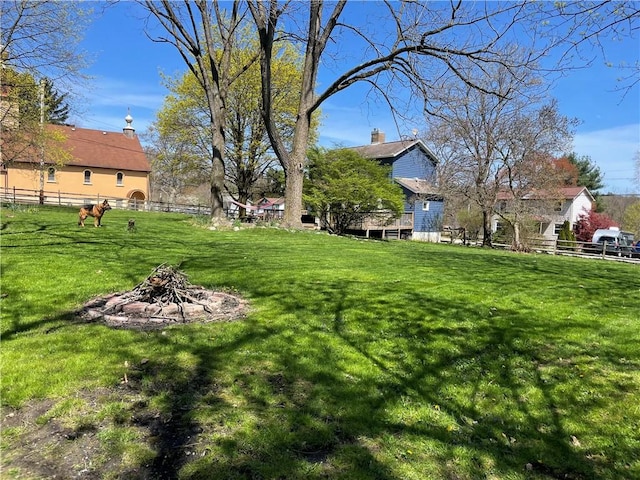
(340, 379)
(495, 359)
(295, 408)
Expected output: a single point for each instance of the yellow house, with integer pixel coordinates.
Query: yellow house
(102, 165)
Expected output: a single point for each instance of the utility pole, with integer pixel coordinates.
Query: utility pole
(42, 141)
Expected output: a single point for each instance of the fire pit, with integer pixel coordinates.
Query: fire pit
(164, 298)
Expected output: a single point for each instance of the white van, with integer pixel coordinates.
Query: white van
(617, 242)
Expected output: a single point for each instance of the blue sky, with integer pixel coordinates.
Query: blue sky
(127, 66)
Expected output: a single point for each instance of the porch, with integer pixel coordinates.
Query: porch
(399, 228)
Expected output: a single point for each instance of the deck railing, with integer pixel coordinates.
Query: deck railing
(405, 221)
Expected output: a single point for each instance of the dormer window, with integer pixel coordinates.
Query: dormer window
(119, 179)
(87, 177)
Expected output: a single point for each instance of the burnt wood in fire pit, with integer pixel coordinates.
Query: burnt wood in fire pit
(164, 297)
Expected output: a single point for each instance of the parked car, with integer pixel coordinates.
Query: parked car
(614, 241)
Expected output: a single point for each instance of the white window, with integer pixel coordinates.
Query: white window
(119, 179)
(51, 175)
(87, 177)
(557, 227)
(425, 206)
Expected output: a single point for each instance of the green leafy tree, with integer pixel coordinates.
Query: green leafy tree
(631, 219)
(23, 91)
(271, 184)
(345, 188)
(184, 121)
(21, 117)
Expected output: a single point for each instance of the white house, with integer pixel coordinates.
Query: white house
(270, 208)
(571, 203)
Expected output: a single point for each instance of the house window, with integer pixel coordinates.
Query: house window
(51, 175)
(87, 177)
(119, 179)
(557, 227)
(425, 206)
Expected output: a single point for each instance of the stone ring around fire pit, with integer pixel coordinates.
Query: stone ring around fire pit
(164, 298)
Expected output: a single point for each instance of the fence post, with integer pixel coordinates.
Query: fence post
(14, 194)
(59, 199)
(604, 249)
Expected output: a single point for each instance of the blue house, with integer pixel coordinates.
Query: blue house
(413, 167)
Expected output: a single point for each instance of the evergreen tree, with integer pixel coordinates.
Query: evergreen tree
(56, 107)
(588, 175)
(566, 237)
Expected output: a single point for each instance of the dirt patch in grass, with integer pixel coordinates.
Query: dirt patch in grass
(112, 433)
(39, 442)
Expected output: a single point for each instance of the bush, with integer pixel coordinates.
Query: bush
(566, 237)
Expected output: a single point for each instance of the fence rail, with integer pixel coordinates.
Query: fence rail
(541, 245)
(25, 196)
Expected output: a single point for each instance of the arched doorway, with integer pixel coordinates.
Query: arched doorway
(136, 199)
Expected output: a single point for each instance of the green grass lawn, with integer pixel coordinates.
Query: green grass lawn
(359, 359)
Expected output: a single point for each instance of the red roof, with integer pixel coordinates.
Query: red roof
(95, 148)
(98, 148)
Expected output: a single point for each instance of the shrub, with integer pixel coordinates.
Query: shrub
(566, 237)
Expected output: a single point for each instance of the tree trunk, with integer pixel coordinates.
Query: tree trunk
(486, 228)
(294, 174)
(243, 198)
(517, 243)
(217, 174)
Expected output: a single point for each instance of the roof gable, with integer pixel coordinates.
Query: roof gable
(100, 149)
(392, 150)
(566, 193)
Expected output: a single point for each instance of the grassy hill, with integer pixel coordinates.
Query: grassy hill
(359, 359)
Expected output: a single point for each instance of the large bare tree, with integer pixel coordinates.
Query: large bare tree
(406, 46)
(41, 37)
(205, 35)
(184, 122)
(497, 136)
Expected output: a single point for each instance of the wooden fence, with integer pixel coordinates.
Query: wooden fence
(541, 245)
(31, 197)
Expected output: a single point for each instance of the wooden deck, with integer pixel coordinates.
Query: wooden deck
(395, 229)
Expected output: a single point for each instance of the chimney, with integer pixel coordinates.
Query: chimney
(129, 131)
(377, 136)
